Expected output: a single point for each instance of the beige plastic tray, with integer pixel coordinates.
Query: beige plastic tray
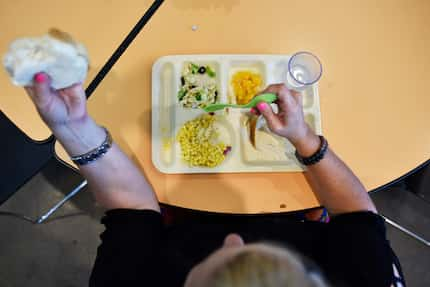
(168, 116)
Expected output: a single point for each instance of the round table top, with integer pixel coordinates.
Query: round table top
(373, 90)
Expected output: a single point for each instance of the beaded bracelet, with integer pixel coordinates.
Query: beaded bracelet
(317, 156)
(96, 153)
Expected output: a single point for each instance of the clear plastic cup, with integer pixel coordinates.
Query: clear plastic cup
(304, 70)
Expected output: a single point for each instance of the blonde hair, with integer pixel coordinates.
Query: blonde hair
(258, 268)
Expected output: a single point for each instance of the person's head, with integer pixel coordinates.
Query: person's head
(251, 265)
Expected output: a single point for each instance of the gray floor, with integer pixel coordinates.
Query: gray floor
(58, 253)
(61, 252)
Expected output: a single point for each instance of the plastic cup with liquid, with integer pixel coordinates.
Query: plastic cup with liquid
(304, 70)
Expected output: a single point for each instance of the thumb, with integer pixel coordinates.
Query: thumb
(41, 91)
(271, 118)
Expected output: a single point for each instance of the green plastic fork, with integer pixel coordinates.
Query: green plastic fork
(267, 97)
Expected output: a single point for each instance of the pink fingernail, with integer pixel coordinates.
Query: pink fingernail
(40, 78)
(262, 106)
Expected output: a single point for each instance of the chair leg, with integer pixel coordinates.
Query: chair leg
(408, 232)
(61, 202)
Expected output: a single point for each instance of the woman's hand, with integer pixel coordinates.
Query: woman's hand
(115, 181)
(65, 113)
(289, 121)
(57, 108)
(333, 183)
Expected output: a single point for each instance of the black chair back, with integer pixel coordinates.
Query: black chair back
(21, 157)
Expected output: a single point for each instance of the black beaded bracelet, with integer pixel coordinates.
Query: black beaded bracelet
(317, 156)
(96, 153)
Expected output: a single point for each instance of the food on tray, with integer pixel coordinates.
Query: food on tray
(201, 142)
(246, 84)
(252, 127)
(198, 86)
(56, 54)
(260, 144)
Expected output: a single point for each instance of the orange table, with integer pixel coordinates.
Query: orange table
(100, 24)
(373, 91)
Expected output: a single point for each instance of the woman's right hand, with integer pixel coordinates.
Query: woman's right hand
(289, 121)
(333, 183)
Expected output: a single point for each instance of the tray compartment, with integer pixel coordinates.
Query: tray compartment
(166, 114)
(215, 65)
(256, 66)
(279, 75)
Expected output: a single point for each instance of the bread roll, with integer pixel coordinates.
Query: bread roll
(56, 54)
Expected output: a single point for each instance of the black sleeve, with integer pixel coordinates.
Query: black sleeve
(358, 252)
(130, 246)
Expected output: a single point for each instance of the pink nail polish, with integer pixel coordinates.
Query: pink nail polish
(262, 106)
(40, 78)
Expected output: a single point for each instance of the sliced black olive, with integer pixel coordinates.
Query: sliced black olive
(182, 81)
(202, 70)
(192, 87)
